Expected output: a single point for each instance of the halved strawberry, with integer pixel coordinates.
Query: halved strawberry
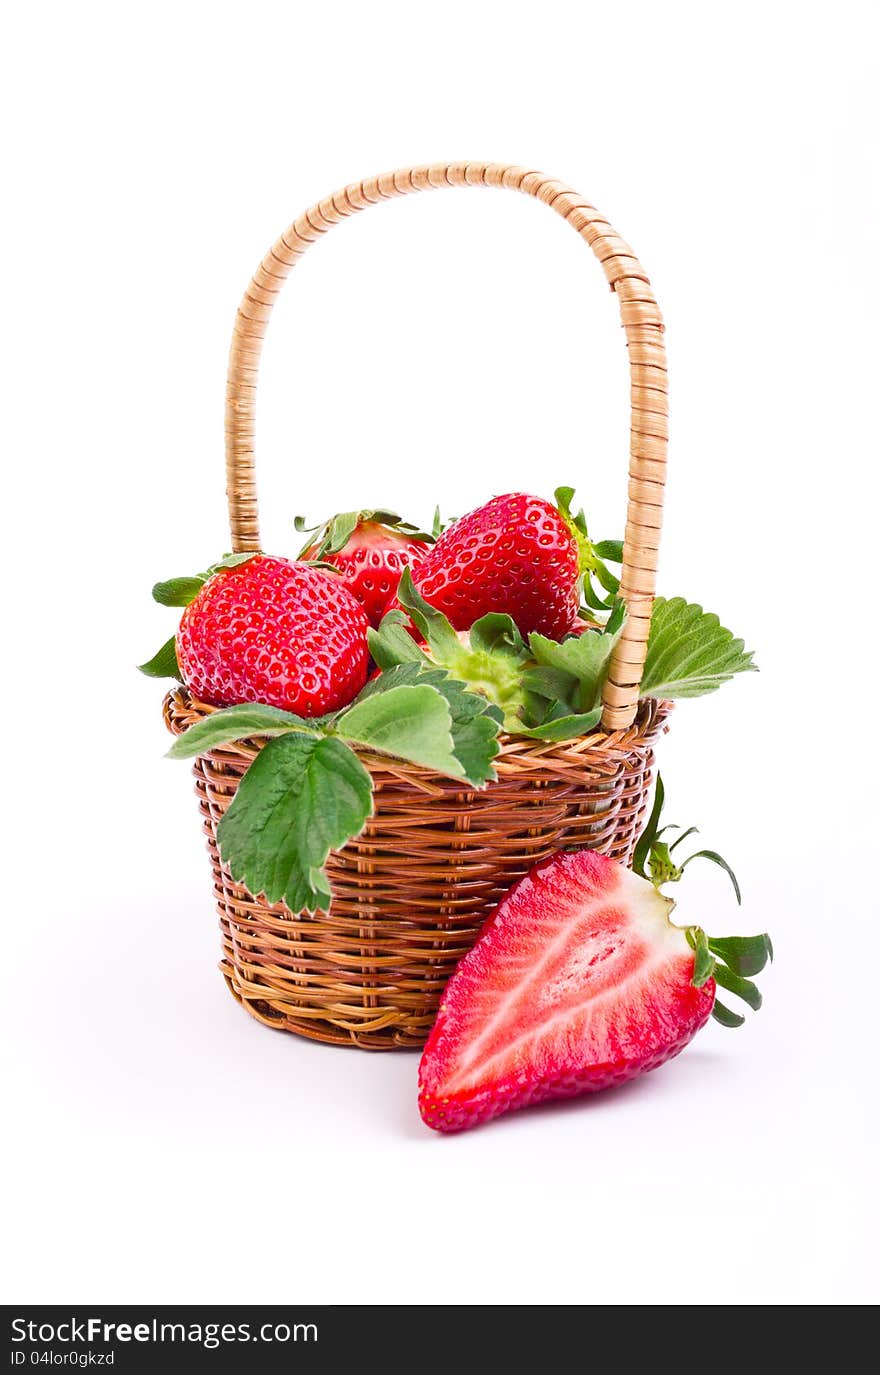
(578, 983)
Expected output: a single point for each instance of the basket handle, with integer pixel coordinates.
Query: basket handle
(642, 322)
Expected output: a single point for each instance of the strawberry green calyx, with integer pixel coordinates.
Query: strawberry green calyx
(489, 658)
(661, 866)
(495, 677)
(163, 663)
(179, 592)
(653, 857)
(333, 535)
(182, 591)
(592, 558)
(544, 689)
(730, 960)
(369, 550)
(438, 524)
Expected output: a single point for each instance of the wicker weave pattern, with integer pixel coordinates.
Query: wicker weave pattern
(642, 322)
(411, 893)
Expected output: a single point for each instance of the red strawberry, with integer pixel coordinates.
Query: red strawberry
(579, 982)
(274, 631)
(517, 555)
(370, 550)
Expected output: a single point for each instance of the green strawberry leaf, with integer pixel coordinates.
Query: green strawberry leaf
(591, 557)
(691, 830)
(607, 579)
(341, 529)
(497, 633)
(734, 983)
(553, 696)
(493, 672)
(181, 591)
(409, 722)
(709, 963)
(237, 723)
(650, 833)
(729, 959)
(563, 497)
(724, 1015)
(475, 721)
(689, 652)
(299, 525)
(704, 962)
(413, 673)
(745, 955)
(552, 685)
(338, 530)
(231, 561)
(563, 727)
(163, 663)
(722, 864)
(392, 521)
(610, 549)
(475, 741)
(584, 658)
(434, 626)
(593, 601)
(177, 591)
(301, 798)
(392, 643)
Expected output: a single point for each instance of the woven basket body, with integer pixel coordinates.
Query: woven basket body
(411, 893)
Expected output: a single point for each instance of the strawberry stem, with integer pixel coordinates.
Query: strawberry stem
(724, 1015)
(746, 955)
(704, 960)
(723, 960)
(591, 557)
(722, 864)
(653, 860)
(489, 660)
(729, 960)
(333, 534)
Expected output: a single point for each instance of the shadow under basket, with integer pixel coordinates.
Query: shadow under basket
(412, 892)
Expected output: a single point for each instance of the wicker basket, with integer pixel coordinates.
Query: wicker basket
(411, 893)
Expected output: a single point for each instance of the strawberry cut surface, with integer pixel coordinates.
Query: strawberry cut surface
(579, 982)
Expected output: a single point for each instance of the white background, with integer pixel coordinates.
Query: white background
(159, 1144)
